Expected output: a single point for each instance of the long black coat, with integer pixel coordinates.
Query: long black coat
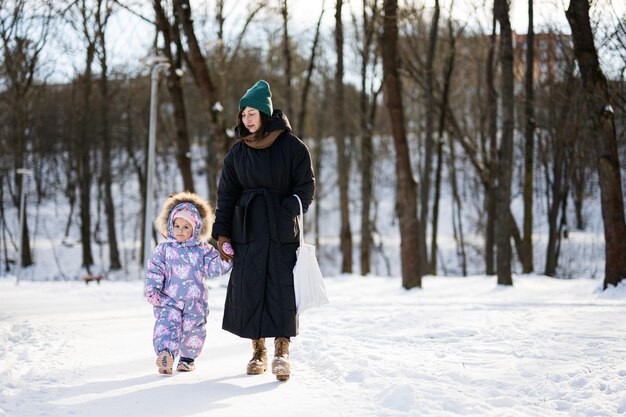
(257, 210)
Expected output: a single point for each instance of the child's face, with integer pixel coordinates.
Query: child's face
(182, 229)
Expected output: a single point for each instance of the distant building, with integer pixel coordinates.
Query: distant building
(553, 52)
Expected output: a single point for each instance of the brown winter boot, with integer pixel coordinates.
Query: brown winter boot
(258, 363)
(280, 364)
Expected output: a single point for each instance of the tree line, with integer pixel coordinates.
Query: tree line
(482, 112)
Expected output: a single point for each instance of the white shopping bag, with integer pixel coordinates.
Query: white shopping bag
(308, 282)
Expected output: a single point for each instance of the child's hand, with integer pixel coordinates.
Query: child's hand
(154, 298)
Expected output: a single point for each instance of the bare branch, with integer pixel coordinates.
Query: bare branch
(137, 14)
(260, 6)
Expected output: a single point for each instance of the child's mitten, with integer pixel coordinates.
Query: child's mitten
(154, 298)
(228, 249)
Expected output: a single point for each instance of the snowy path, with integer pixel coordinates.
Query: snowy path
(460, 346)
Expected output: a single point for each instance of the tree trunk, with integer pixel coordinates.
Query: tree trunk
(343, 163)
(440, 140)
(529, 157)
(367, 188)
(367, 117)
(182, 149)
(84, 159)
(367, 179)
(457, 221)
(216, 151)
(578, 183)
(218, 139)
(19, 129)
(406, 195)
(301, 125)
(70, 168)
(27, 257)
(23, 34)
(318, 151)
(287, 59)
(428, 138)
(556, 194)
(139, 168)
(317, 168)
(505, 160)
(109, 207)
(602, 127)
(182, 146)
(432, 270)
(490, 184)
(3, 224)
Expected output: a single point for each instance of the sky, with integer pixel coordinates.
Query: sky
(457, 347)
(129, 37)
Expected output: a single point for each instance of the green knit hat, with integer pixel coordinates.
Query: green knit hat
(259, 97)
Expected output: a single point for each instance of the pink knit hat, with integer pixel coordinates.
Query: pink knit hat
(186, 215)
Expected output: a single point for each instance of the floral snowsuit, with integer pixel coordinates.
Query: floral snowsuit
(176, 273)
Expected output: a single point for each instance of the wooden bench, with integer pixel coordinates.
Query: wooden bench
(93, 277)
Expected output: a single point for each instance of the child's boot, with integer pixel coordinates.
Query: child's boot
(165, 362)
(185, 365)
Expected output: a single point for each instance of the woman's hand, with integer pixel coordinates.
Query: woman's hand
(291, 204)
(226, 250)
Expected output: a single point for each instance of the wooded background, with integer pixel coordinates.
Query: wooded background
(481, 114)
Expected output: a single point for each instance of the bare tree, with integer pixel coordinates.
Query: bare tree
(368, 106)
(565, 134)
(428, 135)
(492, 157)
(287, 58)
(3, 225)
(436, 98)
(601, 121)
(23, 35)
(529, 153)
(317, 131)
(343, 162)
(136, 108)
(210, 92)
(83, 149)
(103, 11)
(173, 50)
(457, 209)
(505, 152)
(406, 194)
(444, 103)
(301, 127)
(579, 177)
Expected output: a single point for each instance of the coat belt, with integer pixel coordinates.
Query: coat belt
(271, 201)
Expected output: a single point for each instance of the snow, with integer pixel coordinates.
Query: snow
(458, 346)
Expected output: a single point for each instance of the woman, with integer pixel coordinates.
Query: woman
(256, 214)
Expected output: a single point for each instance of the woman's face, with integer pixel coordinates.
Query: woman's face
(182, 229)
(251, 119)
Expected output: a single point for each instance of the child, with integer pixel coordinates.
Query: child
(175, 280)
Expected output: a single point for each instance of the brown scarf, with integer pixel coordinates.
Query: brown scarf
(264, 142)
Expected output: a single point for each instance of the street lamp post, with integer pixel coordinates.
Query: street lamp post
(158, 64)
(18, 269)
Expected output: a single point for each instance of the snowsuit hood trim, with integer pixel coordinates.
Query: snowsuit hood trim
(194, 203)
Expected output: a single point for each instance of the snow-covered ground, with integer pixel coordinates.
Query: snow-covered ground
(459, 346)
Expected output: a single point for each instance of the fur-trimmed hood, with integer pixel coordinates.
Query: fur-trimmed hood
(163, 222)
